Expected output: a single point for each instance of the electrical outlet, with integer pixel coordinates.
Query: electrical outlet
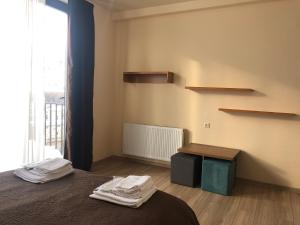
(206, 125)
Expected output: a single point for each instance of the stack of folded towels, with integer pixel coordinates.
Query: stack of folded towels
(45, 171)
(131, 191)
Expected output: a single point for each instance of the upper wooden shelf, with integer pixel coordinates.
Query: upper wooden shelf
(221, 89)
(267, 113)
(210, 151)
(148, 77)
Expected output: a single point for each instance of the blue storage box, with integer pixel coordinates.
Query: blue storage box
(218, 176)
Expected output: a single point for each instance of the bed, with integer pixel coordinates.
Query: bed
(66, 202)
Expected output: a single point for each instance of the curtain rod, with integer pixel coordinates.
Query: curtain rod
(108, 4)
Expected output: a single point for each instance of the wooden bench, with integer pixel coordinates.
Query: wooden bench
(218, 166)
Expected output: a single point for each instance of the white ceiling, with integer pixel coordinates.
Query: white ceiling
(135, 4)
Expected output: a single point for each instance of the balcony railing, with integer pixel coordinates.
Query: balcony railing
(55, 123)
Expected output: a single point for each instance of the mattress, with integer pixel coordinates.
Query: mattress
(66, 202)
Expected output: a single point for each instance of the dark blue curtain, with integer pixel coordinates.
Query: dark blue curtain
(80, 84)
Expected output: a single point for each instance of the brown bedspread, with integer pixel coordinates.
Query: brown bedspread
(66, 202)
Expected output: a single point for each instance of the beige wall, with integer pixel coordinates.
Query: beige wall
(104, 83)
(254, 45)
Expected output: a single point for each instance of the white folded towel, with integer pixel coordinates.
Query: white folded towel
(45, 171)
(129, 202)
(108, 186)
(129, 187)
(138, 193)
(133, 186)
(133, 183)
(131, 191)
(34, 177)
(48, 165)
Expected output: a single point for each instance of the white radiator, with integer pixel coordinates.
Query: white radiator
(151, 142)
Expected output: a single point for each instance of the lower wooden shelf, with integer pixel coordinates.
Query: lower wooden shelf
(219, 89)
(266, 113)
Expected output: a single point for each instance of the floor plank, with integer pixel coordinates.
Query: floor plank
(295, 204)
(252, 203)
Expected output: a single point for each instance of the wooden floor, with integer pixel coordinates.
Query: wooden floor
(251, 204)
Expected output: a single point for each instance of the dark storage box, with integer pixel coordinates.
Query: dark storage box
(186, 169)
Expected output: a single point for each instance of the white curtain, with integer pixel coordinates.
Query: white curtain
(21, 83)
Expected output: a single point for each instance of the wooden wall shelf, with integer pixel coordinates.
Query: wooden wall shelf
(266, 113)
(220, 89)
(148, 77)
(210, 151)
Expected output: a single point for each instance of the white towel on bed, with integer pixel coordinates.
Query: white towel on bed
(129, 202)
(45, 171)
(34, 177)
(108, 186)
(133, 186)
(129, 187)
(48, 165)
(133, 183)
(131, 191)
